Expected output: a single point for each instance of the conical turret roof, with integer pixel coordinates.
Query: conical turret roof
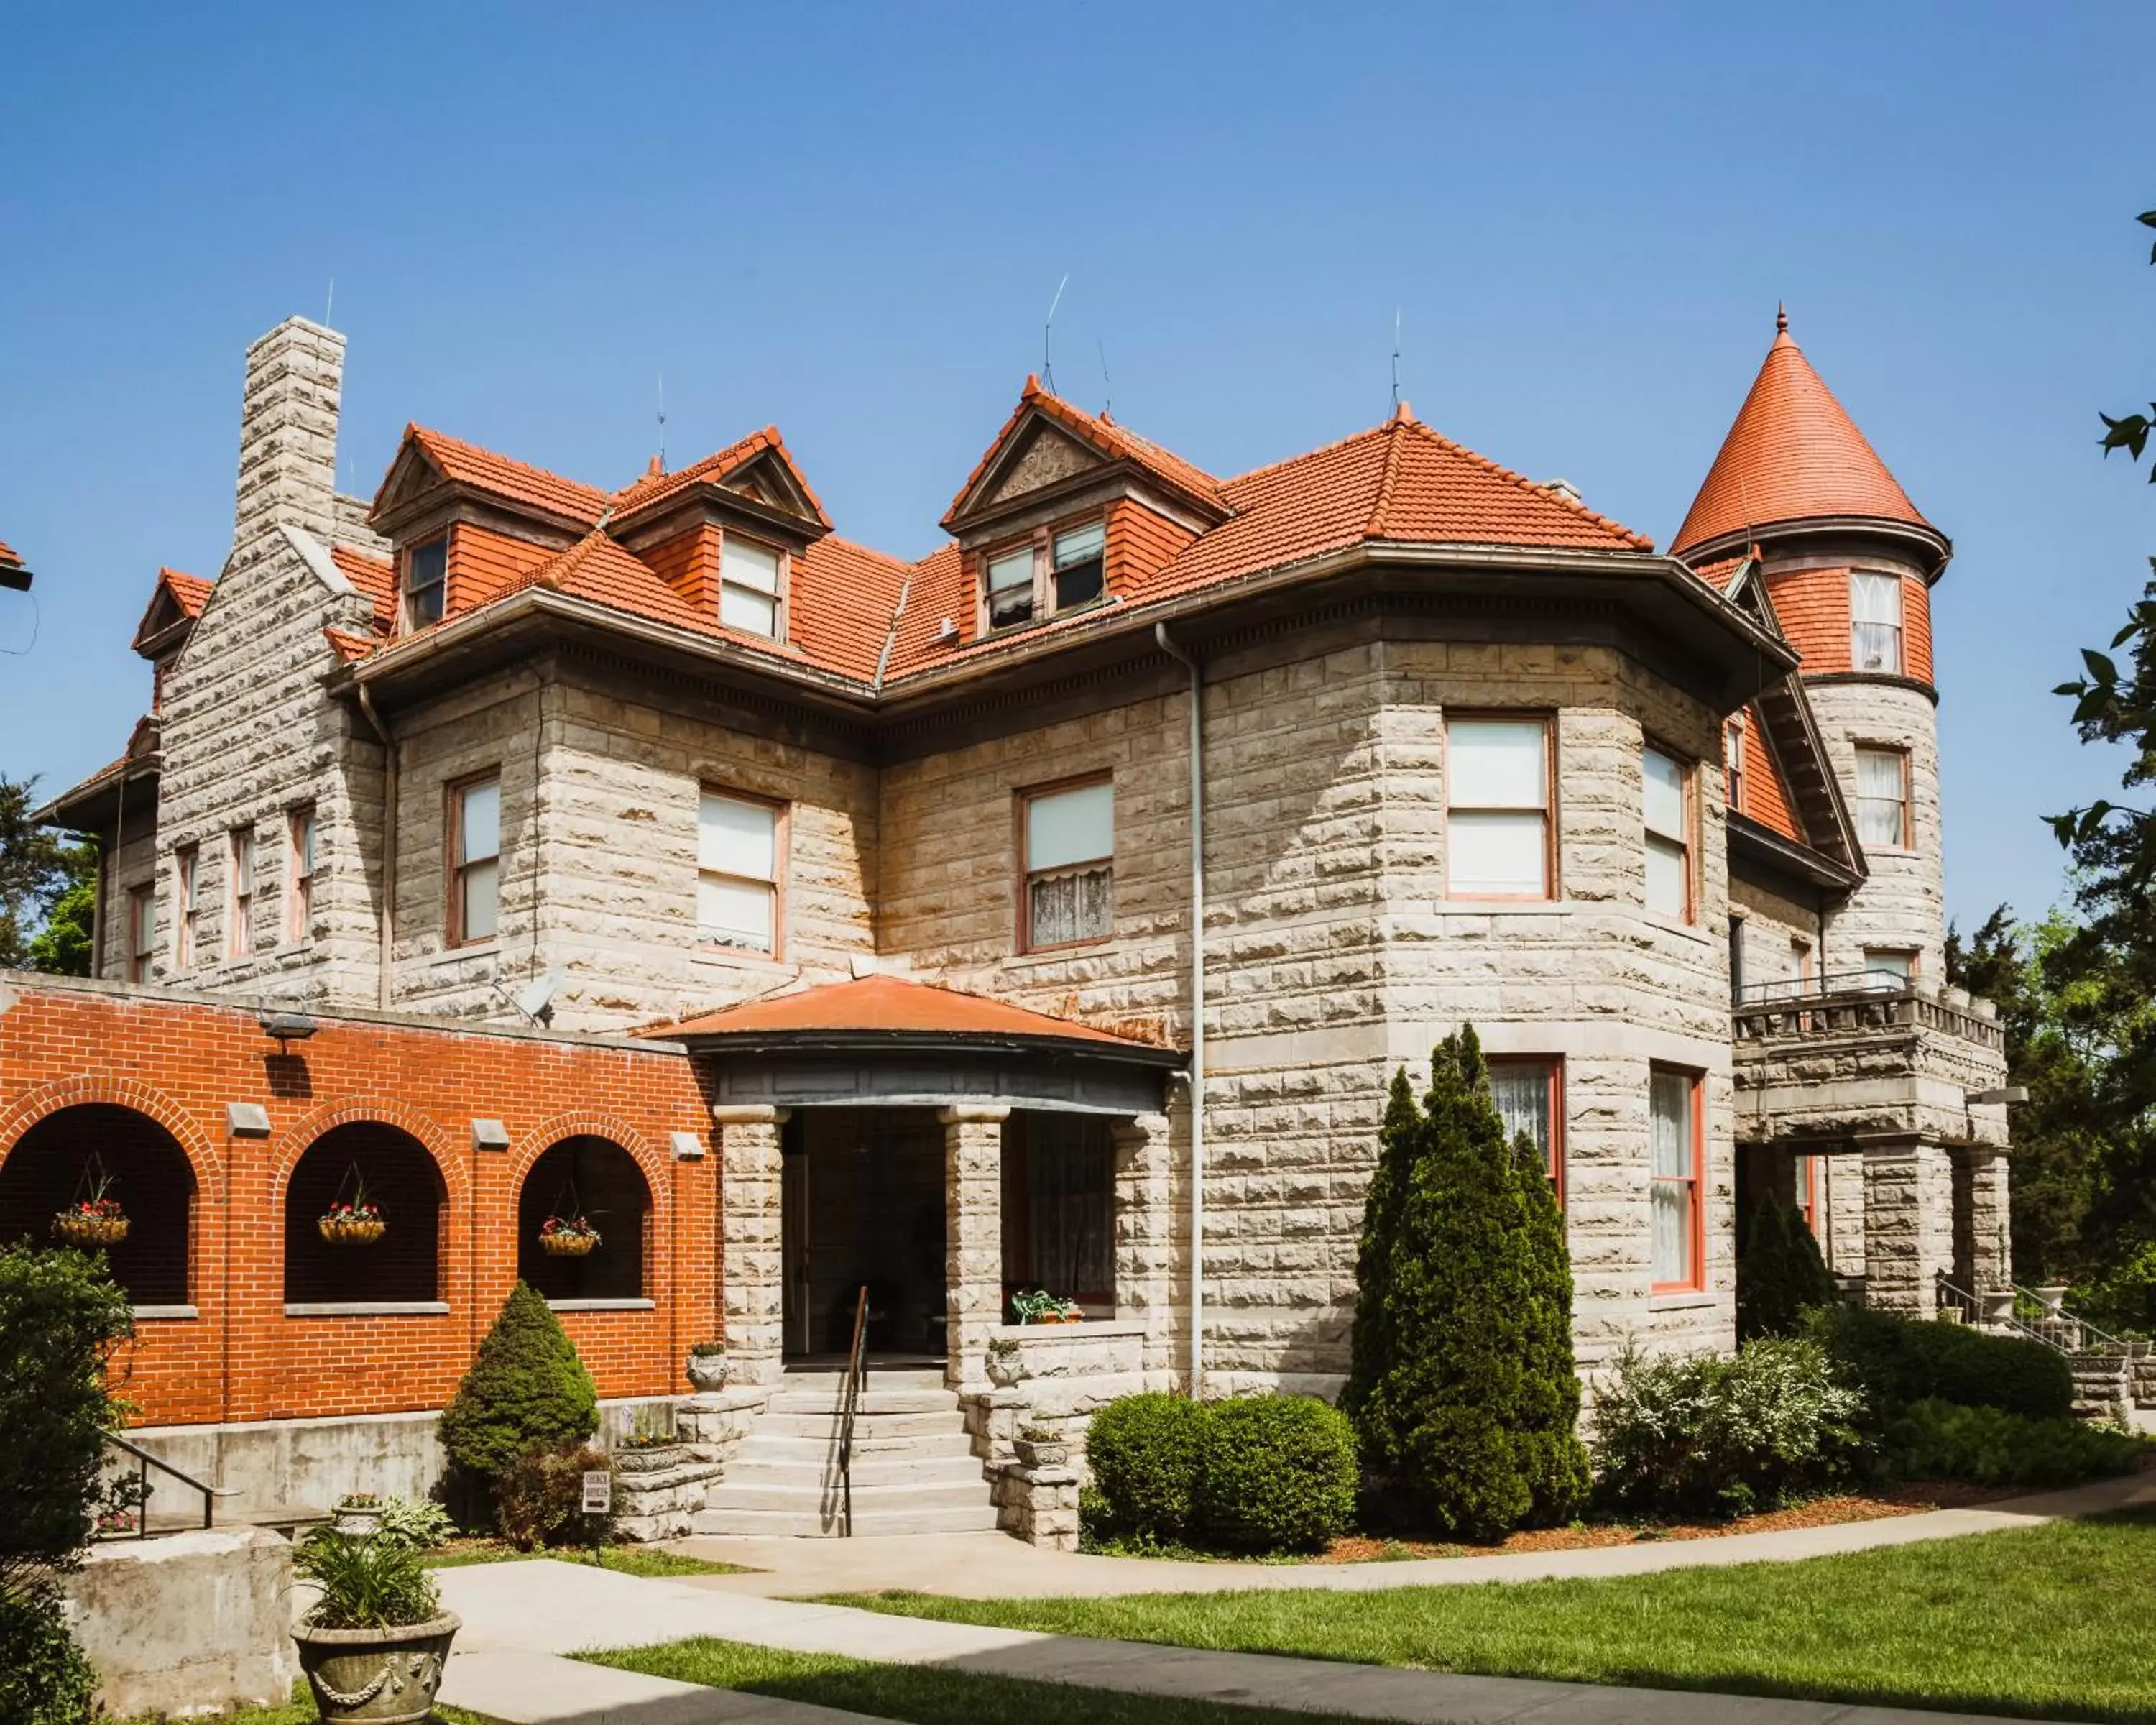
(1792, 454)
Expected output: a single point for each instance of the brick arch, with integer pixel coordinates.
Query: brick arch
(652, 1259)
(297, 1140)
(50, 1098)
(542, 1137)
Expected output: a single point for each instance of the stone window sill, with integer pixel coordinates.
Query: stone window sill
(455, 955)
(1061, 955)
(370, 1308)
(292, 949)
(737, 958)
(159, 1314)
(1692, 1301)
(1501, 906)
(603, 1304)
(1674, 925)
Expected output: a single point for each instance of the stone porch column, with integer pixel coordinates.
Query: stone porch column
(1983, 1260)
(1908, 1225)
(751, 1180)
(973, 1197)
(1145, 1231)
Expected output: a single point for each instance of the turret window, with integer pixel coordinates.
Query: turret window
(749, 586)
(426, 582)
(1732, 764)
(1667, 785)
(1497, 807)
(1875, 622)
(1882, 797)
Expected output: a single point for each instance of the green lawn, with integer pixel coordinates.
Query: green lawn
(300, 1710)
(924, 1694)
(2058, 1621)
(648, 1561)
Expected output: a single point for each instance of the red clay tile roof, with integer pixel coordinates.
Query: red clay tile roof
(713, 469)
(191, 592)
(887, 1003)
(842, 597)
(1118, 443)
(374, 577)
(469, 465)
(7, 555)
(348, 646)
(1793, 454)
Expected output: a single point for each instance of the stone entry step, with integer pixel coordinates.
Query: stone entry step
(895, 1523)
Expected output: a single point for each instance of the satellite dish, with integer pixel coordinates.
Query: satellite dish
(536, 1001)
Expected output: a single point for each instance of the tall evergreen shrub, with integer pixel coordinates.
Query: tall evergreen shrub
(526, 1389)
(1782, 1274)
(1462, 1386)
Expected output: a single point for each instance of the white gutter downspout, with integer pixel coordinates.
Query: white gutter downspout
(385, 963)
(1196, 1074)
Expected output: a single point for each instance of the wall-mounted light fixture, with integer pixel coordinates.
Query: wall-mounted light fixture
(288, 1027)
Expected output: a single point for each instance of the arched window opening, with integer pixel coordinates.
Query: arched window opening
(594, 1181)
(100, 1160)
(374, 1169)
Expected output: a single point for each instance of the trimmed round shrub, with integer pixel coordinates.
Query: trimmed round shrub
(1275, 1473)
(1704, 1434)
(1897, 1361)
(1935, 1440)
(526, 1389)
(1143, 1450)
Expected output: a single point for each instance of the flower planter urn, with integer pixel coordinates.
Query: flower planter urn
(1997, 1308)
(2053, 1295)
(382, 1676)
(81, 1230)
(363, 1519)
(569, 1246)
(352, 1231)
(1005, 1367)
(1041, 1452)
(708, 1371)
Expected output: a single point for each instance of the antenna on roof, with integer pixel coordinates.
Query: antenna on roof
(1396, 359)
(1108, 389)
(662, 422)
(1047, 365)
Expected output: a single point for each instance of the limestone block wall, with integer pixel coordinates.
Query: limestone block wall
(132, 864)
(1775, 925)
(1902, 903)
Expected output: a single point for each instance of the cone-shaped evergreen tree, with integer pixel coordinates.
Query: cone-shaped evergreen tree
(526, 1388)
(1462, 1385)
(1781, 1273)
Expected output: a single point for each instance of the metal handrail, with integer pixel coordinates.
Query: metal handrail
(1791, 989)
(2073, 1321)
(849, 1404)
(144, 1461)
(2061, 1331)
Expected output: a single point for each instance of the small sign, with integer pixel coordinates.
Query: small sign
(599, 1492)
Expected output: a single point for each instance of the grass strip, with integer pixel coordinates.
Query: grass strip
(648, 1561)
(926, 1695)
(2052, 1621)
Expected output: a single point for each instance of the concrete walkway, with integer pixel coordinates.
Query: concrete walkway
(519, 1618)
(993, 1566)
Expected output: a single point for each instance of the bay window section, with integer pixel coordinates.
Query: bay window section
(738, 846)
(1668, 810)
(748, 587)
(475, 860)
(1674, 1134)
(1068, 836)
(1497, 796)
(1882, 797)
(1875, 622)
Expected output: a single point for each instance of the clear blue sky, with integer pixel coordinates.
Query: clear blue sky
(850, 221)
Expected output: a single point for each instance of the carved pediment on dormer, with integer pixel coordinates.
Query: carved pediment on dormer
(1042, 458)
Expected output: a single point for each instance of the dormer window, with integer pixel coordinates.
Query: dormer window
(426, 582)
(1056, 570)
(1078, 571)
(749, 586)
(1010, 587)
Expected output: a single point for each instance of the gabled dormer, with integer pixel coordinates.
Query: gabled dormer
(175, 603)
(1068, 511)
(464, 523)
(726, 532)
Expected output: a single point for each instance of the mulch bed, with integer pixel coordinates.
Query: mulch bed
(1818, 1513)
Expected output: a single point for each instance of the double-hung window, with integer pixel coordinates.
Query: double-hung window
(1077, 559)
(1668, 810)
(1008, 577)
(1529, 1092)
(1674, 1134)
(475, 860)
(300, 873)
(739, 842)
(1882, 797)
(1732, 764)
(187, 862)
(748, 586)
(1889, 969)
(1498, 797)
(240, 893)
(1875, 622)
(141, 931)
(1059, 569)
(426, 582)
(1068, 838)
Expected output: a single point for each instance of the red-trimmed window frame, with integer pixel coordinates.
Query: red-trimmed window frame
(187, 868)
(1554, 1066)
(781, 841)
(1020, 803)
(1695, 1281)
(1807, 1186)
(141, 931)
(1688, 770)
(1553, 886)
(1041, 542)
(452, 912)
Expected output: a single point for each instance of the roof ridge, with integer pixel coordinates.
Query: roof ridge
(422, 433)
(1644, 542)
(1388, 475)
(1338, 443)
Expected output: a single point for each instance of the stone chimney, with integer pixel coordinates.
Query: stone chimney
(288, 430)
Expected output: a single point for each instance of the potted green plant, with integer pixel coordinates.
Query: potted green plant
(1005, 1366)
(708, 1365)
(359, 1513)
(1041, 1446)
(357, 1220)
(95, 1218)
(374, 1643)
(1040, 1307)
(568, 1237)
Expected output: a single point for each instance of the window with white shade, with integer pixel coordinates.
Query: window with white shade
(475, 860)
(1077, 558)
(1732, 764)
(426, 582)
(1889, 969)
(1069, 835)
(1529, 1091)
(1009, 580)
(1497, 793)
(1882, 797)
(300, 874)
(1875, 622)
(141, 931)
(1673, 1133)
(748, 586)
(240, 893)
(739, 842)
(1667, 784)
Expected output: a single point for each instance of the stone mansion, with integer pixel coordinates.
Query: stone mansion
(1050, 911)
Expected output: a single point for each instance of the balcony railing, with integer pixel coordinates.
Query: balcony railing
(1856, 1003)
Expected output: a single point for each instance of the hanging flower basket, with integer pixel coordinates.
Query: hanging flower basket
(352, 1224)
(567, 1237)
(91, 1222)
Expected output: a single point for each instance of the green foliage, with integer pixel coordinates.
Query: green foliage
(1781, 1275)
(415, 1523)
(1934, 1439)
(365, 1583)
(539, 1498)
(38, 871)
(1276, 1473)
(43, 1677)
(1462, 1387)
(525, 1388)
(62, 947)
(1703, 1434)
(2124, 1300)
(1143, 1452)
(1897, 1361)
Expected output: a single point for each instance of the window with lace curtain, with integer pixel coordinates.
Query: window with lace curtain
(1067, 835)
(1529, 1091)
(1674, 1134)
(1882, 797)
(1875, 622)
